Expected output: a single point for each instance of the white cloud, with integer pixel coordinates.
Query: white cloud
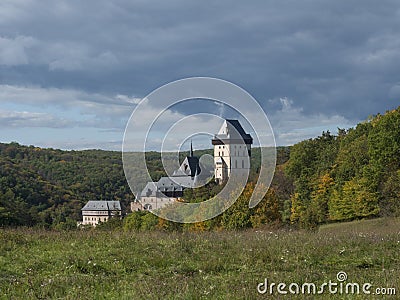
(24, 119)
(94, 110)
(127, 99)
(291, 124)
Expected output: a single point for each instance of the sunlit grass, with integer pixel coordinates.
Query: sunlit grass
(211, 265)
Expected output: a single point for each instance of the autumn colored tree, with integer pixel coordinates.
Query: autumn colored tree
(356, 200)
(238, 215)
(319, 199)
(267, 211)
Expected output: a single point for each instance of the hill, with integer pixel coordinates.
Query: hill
(352, 175)
(48, 187)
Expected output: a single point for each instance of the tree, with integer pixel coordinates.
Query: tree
(384, 141)
(390, 201)
(149, 221)
(238, 215)
(133, 221)
(267, 211)
(319, 199)
(355, 200)
(340, 208)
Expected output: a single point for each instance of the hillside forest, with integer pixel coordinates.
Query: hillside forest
(352, 174)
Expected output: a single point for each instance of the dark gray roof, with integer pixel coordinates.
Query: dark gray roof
(189, 167)
(235, 124)
(165, 184)
(185, 176)
(149, 190)
(102, 205)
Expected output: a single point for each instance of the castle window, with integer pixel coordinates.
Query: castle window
(243, 164)
(222, 153)
(236, 164)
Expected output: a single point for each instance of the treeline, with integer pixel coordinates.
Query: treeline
(48, 187)
(237, 216)
(352, 175)
(269, 212)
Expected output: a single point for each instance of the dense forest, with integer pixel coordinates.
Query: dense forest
(351, 175)
(48, 187)
(354, 174)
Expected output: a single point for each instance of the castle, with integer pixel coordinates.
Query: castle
(232, 152)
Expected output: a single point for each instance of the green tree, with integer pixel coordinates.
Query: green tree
(390, 201)
(149, 221)
(356, 200)
(133, 221)
(238, 215)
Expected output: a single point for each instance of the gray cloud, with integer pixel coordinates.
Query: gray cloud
(336, 61)
(13, 50)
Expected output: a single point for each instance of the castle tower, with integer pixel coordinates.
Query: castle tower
(232, 150)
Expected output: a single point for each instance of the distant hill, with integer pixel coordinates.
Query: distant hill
(48, 187)
(354, 174)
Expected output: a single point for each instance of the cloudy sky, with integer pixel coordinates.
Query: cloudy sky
(71, 72)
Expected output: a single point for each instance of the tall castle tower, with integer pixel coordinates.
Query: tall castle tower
(232, 150)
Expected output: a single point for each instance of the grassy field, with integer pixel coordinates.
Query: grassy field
(37, 264)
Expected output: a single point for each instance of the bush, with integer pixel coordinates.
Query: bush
(133, 221)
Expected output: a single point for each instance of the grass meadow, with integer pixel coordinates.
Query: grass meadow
(94, 264)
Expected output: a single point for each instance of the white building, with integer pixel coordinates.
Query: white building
(95, 212)
(232, 150)
(156, 195)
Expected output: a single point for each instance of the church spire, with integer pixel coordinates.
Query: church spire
(191, 149)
